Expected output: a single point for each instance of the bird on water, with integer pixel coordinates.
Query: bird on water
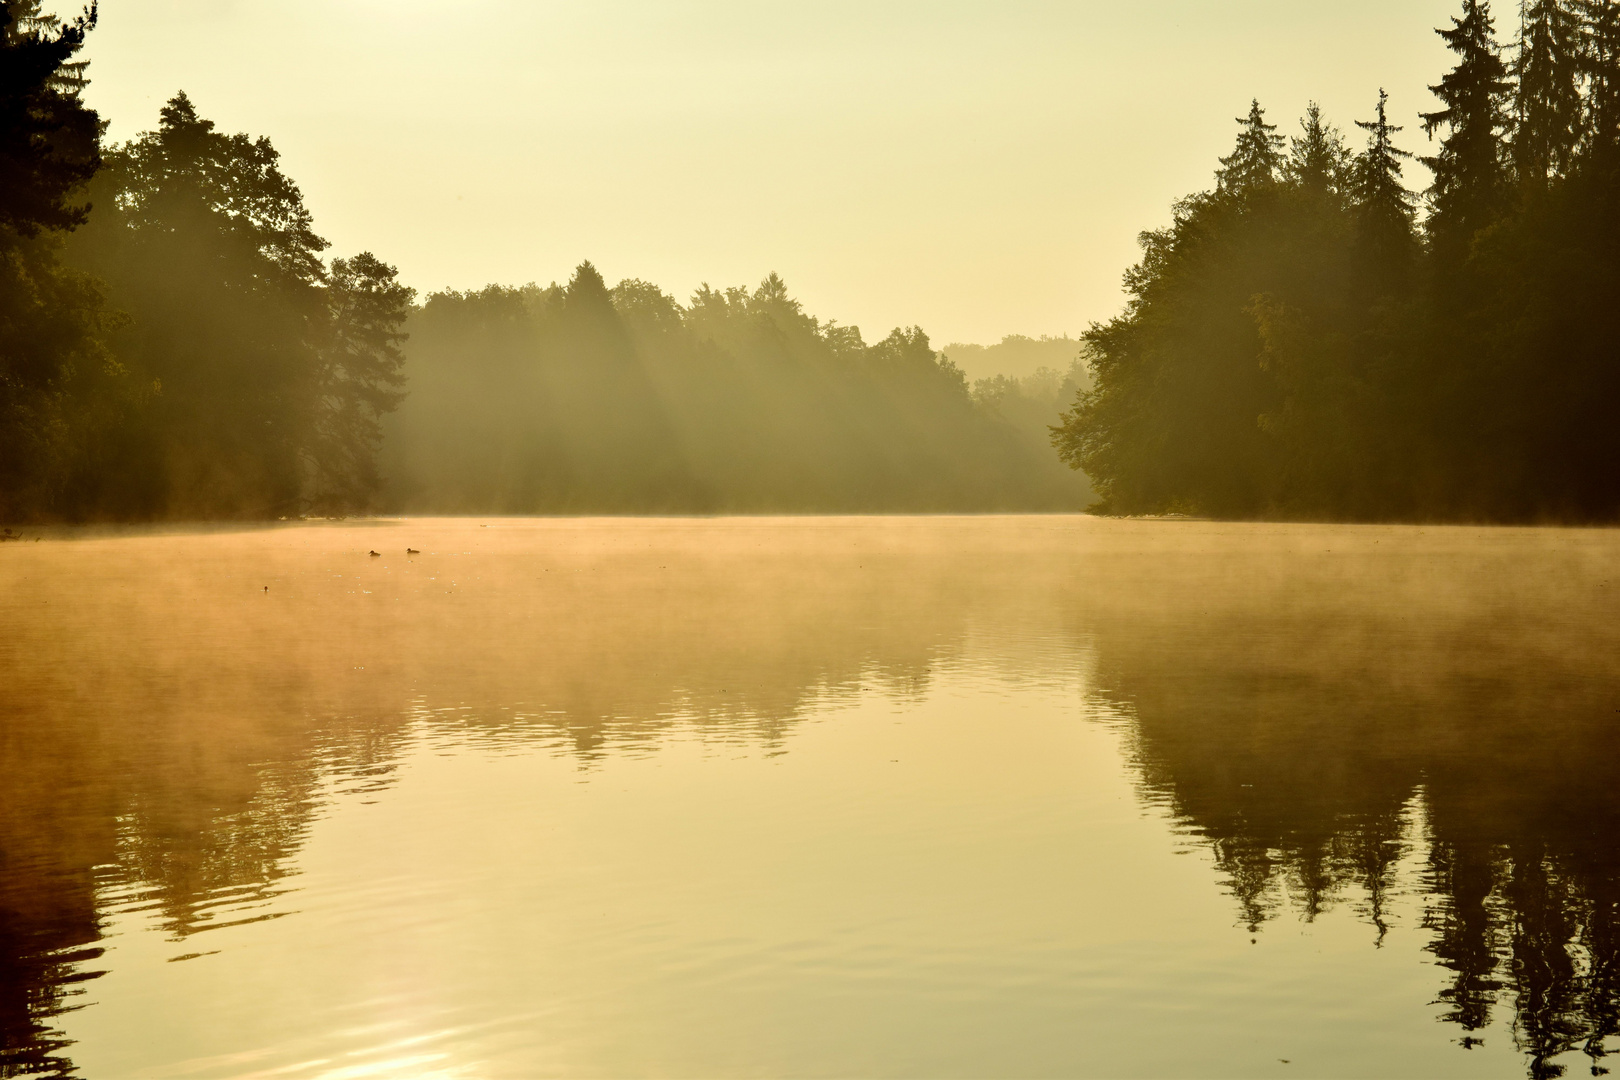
(376, 554)
(412, 551)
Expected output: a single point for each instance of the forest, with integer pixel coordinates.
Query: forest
(1312, 339)
(176, 345)
(581, 398)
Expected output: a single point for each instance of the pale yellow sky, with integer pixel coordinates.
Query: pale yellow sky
(976, 168)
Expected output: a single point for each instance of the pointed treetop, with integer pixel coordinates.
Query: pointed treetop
(180, 114)
(49, 142)
(772, 290)
(1480, 76)
(1469, 169)
(1254, 162)
(23, 20)
(587, 285)
(1377, 177)
(231, 183)
(184, 132)
(1600, 63)
(772, 295)
(1547, 109)
(1317, 156)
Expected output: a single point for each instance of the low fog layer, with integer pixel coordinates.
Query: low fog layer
(1298, 697)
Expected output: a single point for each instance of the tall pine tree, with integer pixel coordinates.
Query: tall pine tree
(1384, 207)
(1255, 161)
(1600, 69)
(1317, 158)
(1547, 105)
(1469, 169)
(29, 18)
(49, 141)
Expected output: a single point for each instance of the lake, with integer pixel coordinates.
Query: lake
(921, 796)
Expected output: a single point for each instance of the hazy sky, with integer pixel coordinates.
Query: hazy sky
(976, 168)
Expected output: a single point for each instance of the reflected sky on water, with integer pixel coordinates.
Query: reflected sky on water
(911, 796)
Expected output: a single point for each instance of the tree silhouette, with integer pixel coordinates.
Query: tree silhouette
(59, 388)
(1317, 157)
(270, 374)
(49, 140)
(1599, 61)
(1256, 159)
(1380, 195)
(1547, 101)
(1470, 166)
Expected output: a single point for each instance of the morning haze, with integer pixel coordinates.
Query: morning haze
(713, 540)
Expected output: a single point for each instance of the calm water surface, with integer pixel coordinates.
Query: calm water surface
(809, 797)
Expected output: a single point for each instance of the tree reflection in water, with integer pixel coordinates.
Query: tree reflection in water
(1313, 735)
(168, 734)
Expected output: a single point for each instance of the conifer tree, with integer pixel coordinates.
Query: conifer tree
(1600, 68)
(54, 371)
(1469, 169)
(49, 142)
(1383, 204)
(1317, 157)
(1256, 159)
(1547, 106)
(69, 78)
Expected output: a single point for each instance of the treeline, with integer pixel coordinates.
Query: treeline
(1300, 341)
(585, 398)
(1016, 356)
(173, 344)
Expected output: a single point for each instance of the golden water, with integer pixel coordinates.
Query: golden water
(1014, 796)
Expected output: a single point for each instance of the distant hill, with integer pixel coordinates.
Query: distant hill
(1028, 382)
(1015, 355)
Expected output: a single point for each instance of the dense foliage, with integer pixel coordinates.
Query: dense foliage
(171, 342)
(583, 398)
(268, 370)
(55, 374)
(1298, 343)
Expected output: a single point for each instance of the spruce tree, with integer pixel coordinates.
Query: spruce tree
(1600, 68)
(1381, 199)
(1317, 157)
(27, 19)
(54, 372)
(1469, 169)
(1256, 159)
(49, 142)
(1547, 107)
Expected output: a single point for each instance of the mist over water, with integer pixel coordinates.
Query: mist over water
(652, 787)
(937, 795)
